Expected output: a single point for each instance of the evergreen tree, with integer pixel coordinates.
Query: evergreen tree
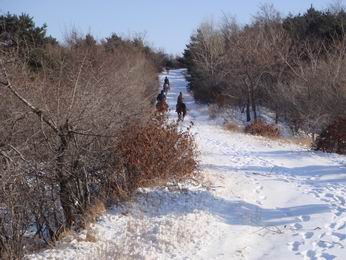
(21, 31)
(316, 25)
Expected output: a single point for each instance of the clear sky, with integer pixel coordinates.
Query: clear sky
(166, 24)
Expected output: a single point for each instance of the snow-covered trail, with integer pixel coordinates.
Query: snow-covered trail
(266, 200)
(273, 200)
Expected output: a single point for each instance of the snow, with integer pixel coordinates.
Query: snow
(265, 199)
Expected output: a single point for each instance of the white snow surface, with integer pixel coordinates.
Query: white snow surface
(266, 200)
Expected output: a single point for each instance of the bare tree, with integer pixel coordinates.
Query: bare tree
(59, 127)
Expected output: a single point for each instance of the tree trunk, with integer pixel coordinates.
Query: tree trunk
(253, 103)
(248, 116)
(66, 203)
(65, 191)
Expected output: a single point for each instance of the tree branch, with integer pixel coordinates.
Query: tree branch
(34, 109)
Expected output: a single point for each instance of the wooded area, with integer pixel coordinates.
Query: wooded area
(69, 115)
(294, 65)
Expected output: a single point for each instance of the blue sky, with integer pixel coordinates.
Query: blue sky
(166, 24)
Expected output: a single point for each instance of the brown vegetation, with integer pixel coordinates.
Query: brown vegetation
(260, 128)
(155, 153)
(233, 127)
(265, 63)
(333, 138)
(162, 106)
(63, 147)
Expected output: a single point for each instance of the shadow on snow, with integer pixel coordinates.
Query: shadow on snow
(161, 203)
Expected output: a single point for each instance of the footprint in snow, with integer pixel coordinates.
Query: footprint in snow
(339, 236)
(308, 235)
(327, 256)
(309, 254)
(294, 246)
(338, 211)
(340, 199)
(315, 193)
(328, 195)
(325, 244)
(341, 224)
(304, 218)
(297, 226)
(331, 226)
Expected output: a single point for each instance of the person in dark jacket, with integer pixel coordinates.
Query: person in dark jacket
(180, 101)
(161, 97)
(180, 98)
(166, 81)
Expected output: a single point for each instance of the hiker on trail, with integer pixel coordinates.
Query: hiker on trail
(180, 98)
(161, 97)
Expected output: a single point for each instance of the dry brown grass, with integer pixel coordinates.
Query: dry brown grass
(233, 127)
(65, 235)
(262, 129)
(90, 237)
(302, 141)
(94, 211)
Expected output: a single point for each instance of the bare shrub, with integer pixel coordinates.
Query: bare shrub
(94, 211)
(59, 126)
(333, 138)
(154, 154)
(265, 64)
(14, 216)
(261, 128)
(233, 127)
(69, 144)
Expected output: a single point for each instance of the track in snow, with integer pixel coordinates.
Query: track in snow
(268, 200)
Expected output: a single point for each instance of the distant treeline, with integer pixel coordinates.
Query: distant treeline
(20, 33)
